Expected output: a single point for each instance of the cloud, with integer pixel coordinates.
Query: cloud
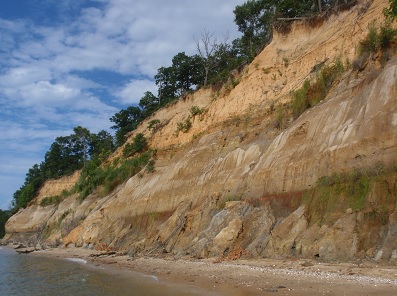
(133, 91)
(77, 62)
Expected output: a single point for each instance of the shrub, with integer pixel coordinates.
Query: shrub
(378, 40)
(299, 102)
(280, 121)
(386, 36)
(285, 62)
(313, 92)
(153, 125)
(196, 110)
(391, 12)
(138, 144)
(371, 43)
(111, 176)
(50, 200)
(150, 166)
(183, 126)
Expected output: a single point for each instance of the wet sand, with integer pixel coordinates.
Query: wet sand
(249, 277)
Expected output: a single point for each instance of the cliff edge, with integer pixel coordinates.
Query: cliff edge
(322, 185)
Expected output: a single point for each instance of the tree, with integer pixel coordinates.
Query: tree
(296, 8)
(226, 59)
(165, 80)
(206, 47)
(33, 181)
(186, 72)
(62, 158)
(67, 154)
(149, 103)
(82, 141)
(101, 145)
(4, 216)
(125, 121)
(254, 20)
(175, 80)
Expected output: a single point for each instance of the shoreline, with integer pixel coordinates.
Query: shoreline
(246, 276)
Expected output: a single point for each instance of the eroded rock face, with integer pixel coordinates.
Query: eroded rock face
(181, 208)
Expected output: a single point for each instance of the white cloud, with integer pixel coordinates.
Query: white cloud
(48, 68)
(133, 91)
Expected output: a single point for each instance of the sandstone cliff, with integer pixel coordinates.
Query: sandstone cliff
(236, 180)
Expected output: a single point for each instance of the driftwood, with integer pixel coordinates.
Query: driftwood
(20, 246)
(25, 251)
(103, 254)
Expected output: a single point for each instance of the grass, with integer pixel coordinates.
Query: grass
(336, 193)
(227, 199)
(54, 199)
(280, 119)
(153, 125)
(379, 40)
(196, 110)
(183, 126)
(313, 92)
(111, 176)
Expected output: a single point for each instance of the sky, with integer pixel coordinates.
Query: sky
(78, 62)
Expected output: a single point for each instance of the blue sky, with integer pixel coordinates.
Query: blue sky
(77, 62)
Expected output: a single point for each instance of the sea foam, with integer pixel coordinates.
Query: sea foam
(78, 260)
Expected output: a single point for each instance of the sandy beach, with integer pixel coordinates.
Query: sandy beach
(248, 276)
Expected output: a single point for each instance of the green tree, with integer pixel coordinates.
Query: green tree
(227, 58)
(175, 80)
(165, 80)
(4, 216)
(187, 72)
(33, 181)
(149, 103)
(66, 154)
(254, 20)
(81, 140)
(296, 8)
(101, 145)
(125, 121)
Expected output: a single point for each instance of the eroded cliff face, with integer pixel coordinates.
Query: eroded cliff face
(236, 180)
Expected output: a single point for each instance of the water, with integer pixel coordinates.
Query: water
(24, 274)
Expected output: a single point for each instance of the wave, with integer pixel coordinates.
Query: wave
(151, 276)
(78, 260)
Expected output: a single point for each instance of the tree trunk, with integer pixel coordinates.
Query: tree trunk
(206, 75)
(320, 9)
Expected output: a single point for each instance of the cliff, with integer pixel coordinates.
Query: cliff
(322, 185)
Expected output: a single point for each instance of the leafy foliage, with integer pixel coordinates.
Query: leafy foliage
(153, 124)
(196, 110)
(183, 126)
(139, 143)
(391, 11)
(378, 39)
(125, 121)
(110, 176)
(179, 78)
(335, 193)
(254, 20)
(4, 215)
(313, 92)
(66, 154)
